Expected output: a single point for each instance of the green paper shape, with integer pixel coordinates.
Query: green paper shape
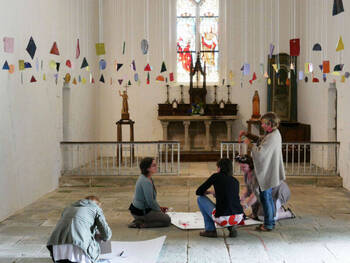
(163, 67)
(31, 47)
(129, 83)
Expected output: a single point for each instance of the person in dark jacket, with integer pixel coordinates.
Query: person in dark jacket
(227, 212)
(144, 207)
(75, 237)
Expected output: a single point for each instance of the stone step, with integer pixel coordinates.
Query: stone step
(182, 180)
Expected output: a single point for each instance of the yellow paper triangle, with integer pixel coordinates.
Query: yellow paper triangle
(83, 80)
(340, 45)
(230, 75)
(275, 67)
(52, 64)
(343, 79)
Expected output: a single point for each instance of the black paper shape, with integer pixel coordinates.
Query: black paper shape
(338, 7)
(84, 64)
(321, 67)
(306, 79)
(163, 67)
(119, 65)
(27, 65)
(57, 66)
(317, 47)
(102, 79)
(338, 67)
(31, 48)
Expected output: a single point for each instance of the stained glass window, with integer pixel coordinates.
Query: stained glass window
(197, 31)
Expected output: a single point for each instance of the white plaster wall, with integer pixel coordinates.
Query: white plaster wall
(318, 25)
(31, 114)
(246, 32)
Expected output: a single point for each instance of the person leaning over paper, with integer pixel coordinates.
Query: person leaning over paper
(268, 164)
(75, 237)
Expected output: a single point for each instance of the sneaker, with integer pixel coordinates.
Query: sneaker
(233, 231)
(208, 233)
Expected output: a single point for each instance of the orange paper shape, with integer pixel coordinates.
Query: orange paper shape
(326, 66)
(74, 81)
(148, 67)
(11, 69)
(160, 78)
(54, 49)
(32, 79)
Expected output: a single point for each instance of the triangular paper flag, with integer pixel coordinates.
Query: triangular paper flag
(32, 79)
(171, 76)
(144, 46)
(133, 65)
(321, 67)
(317, 47)
(119, 65)
(326, 66)
(79, 79)
(83, 80)
(67, 78)
(102, 64)
(100, 49)
(342, 79)
(21, 64)
(75, 81)
(120, 81)
(129, 83)
(87, 68)
(324, 77)
(230, 76)
(338, 67)
(294, 47)
(12, 69)
(77, 51)
(68, 63)
(266, 75)
(275, 67)
(136, 77)
(314, 79)
(31, 48)
(160, 78)
(84, 64)
(148, 67)
(58, 66)
(163, 69)
(102, 79)
(27, 65)
(5, 66)
(92, 81)
(337, 7)
(340, 45)
(54, 49)
(8, 44)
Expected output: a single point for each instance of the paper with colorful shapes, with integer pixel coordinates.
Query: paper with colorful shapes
(8, 44)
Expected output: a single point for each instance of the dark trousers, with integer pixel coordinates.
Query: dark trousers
(153, 219)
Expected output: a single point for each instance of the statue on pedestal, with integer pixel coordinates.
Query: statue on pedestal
(125, 106)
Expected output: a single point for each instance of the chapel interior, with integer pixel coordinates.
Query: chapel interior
(90, 87)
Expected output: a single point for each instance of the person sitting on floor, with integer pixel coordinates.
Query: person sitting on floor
(227, 211)
(75, 236)
(145, 208)
(250, 197)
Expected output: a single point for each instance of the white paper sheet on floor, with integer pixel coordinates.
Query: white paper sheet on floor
(194, 220)
(135, 252)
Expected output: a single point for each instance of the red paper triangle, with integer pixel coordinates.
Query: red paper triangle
(254, 76)
(54, 49)
(68, 63)
(32, 79)
(251, 81)
(148, 67)
(92, 81)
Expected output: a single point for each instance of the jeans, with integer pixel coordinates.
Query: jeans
(269, 208)
(206, 206)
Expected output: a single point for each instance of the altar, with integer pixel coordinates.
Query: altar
(207, 120)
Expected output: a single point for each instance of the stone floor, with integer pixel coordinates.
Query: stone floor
(320, 233)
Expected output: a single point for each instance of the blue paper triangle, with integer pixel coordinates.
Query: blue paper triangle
(6, 66)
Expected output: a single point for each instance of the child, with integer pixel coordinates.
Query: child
(250, 198)
(268, 164)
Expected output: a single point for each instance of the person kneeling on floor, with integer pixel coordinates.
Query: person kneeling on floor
(75, 237)
(227, 212)
(145, 208)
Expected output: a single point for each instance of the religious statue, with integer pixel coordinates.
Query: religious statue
(125, 107)
(256, 106)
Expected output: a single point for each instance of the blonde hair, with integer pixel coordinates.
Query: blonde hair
(272, 118)
(94, 198)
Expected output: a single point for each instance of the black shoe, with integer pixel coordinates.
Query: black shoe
(135, 224)
(233, 231)
(208, 233)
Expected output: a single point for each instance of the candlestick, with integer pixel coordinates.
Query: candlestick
(167, 94)
(215, 88)
(228, 94)
(182, 94)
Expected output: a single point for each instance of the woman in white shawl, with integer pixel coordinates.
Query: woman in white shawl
(268, 164)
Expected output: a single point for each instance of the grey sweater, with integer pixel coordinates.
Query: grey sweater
(145, 194)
